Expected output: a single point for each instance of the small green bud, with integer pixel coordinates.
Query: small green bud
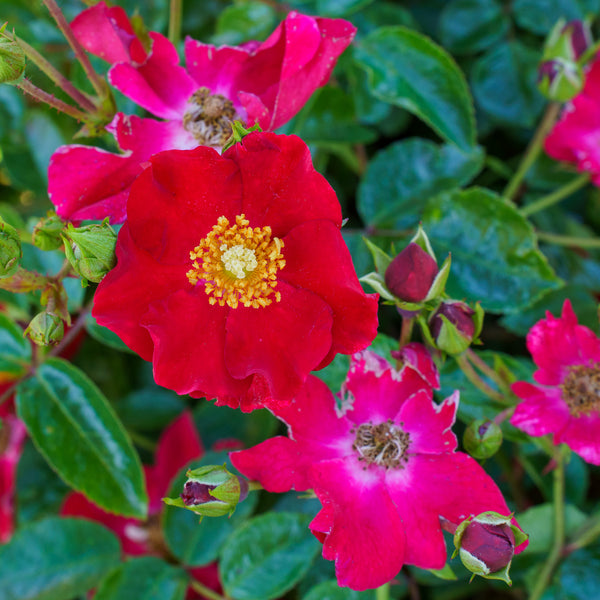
(91, 250)
(211, 491)
(454, 326)
(46, 233)
(10, 249)
(560, 79)
(482, 438)
(238, 133)
(12, 60)
(46, 329)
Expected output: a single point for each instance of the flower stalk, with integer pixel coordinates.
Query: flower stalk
(175, 15)
(567, 240)
(38, 94)
(477, 381)
(560, 194)
(383, 592)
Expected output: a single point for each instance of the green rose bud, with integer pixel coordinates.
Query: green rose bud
(482, 438)
(10, 249)
(46, 233)
(454, 326)
(211, 491)
(91, 250)
(46, 329)
(12, 60)
(560, 79)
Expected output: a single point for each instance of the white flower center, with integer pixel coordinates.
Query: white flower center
(238, 260)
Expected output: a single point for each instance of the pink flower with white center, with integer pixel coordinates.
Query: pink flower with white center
(567, 400)
(259, 82)
(576, 136)
(12, 438)
(381, 459)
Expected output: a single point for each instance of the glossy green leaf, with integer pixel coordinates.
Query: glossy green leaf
(197, 543)
(402, 177)
(380, 14)
(407, 69)
(495, 257)
(15, 350)
(56, 559)
(77, 431)
(145, 578)
(330, 590)
(267, 556)
(539, 16)
(44, 138)
(578, 576)
(468, 26)
(504, 84)
(340, 8)
(149, 408)
(245, 21)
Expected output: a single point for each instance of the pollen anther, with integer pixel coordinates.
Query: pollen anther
(238, 264)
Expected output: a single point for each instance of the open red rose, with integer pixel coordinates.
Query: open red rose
(232, 275)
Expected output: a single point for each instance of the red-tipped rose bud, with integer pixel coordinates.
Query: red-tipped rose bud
(411, 274)
(455, 325)
(486, 544)
(579, 35)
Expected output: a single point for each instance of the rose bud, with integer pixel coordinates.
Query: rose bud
(46, 233)
(482, 438)
(568, 40)
(455, 325)
(486, 544)
(559, 79)
(46, 329)
(411, 274)
(211, 491)
(91, 250)
(10, 249)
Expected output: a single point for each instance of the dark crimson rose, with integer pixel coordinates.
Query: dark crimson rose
(411, 274)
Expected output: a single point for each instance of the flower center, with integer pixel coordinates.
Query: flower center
(208, 117)
(384, 445)
(581, 389)
(238, 264)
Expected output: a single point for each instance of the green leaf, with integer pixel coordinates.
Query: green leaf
(149, 408)
(55, 559)
(145, 578)
(468, 26)
(330, 590)
(267, 556)
(197, 543)
(44, 138)
(495, 257)
(388, 201)
(104, 335)
(77, 431)
(407, 69)
(15, 350)
(504, 84)
(340, 8)
(539, 16)
(578, 577)
(244, 21)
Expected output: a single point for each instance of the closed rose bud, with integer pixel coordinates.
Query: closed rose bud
(12, 60)
(411, 274)
(486, 544)
(579, 35)
(10, 249)
(482, 438)
(46, 233)
(454, 325)
(46, 329)
(560, 79)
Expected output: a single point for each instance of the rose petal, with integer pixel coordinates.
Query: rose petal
(582, 435)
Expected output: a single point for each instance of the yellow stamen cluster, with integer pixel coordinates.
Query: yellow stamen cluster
(238, 264)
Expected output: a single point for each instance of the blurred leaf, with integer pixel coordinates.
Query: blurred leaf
(504, 84)
(245, 21)
(330, 590)
(149, 408)
(15, 350)
(578, 576)
(267, 556)
(197, 543)
(379, 14)
(468, 26)
(104, 335)
(145, 578)
(67, 416)
(44, 138)
(340, 8)
(329, 118)
(539, 16)
(56, 559)
(406, 69)
(427, 169)
(495, 257)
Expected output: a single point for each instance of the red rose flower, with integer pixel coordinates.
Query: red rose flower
(232, 275)
(259, 82)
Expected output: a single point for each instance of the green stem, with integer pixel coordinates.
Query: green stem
(559, 530)
(587, 533)
(473, 377)
(478, 362)
(254, 486)
(54, 74)
(35, 92)
(175, 13)
(566, 240)
(205, 591)
(142, 441)
(96, 81)
(533, 150)
(406, 331)
(556, 196)
(383, 592)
